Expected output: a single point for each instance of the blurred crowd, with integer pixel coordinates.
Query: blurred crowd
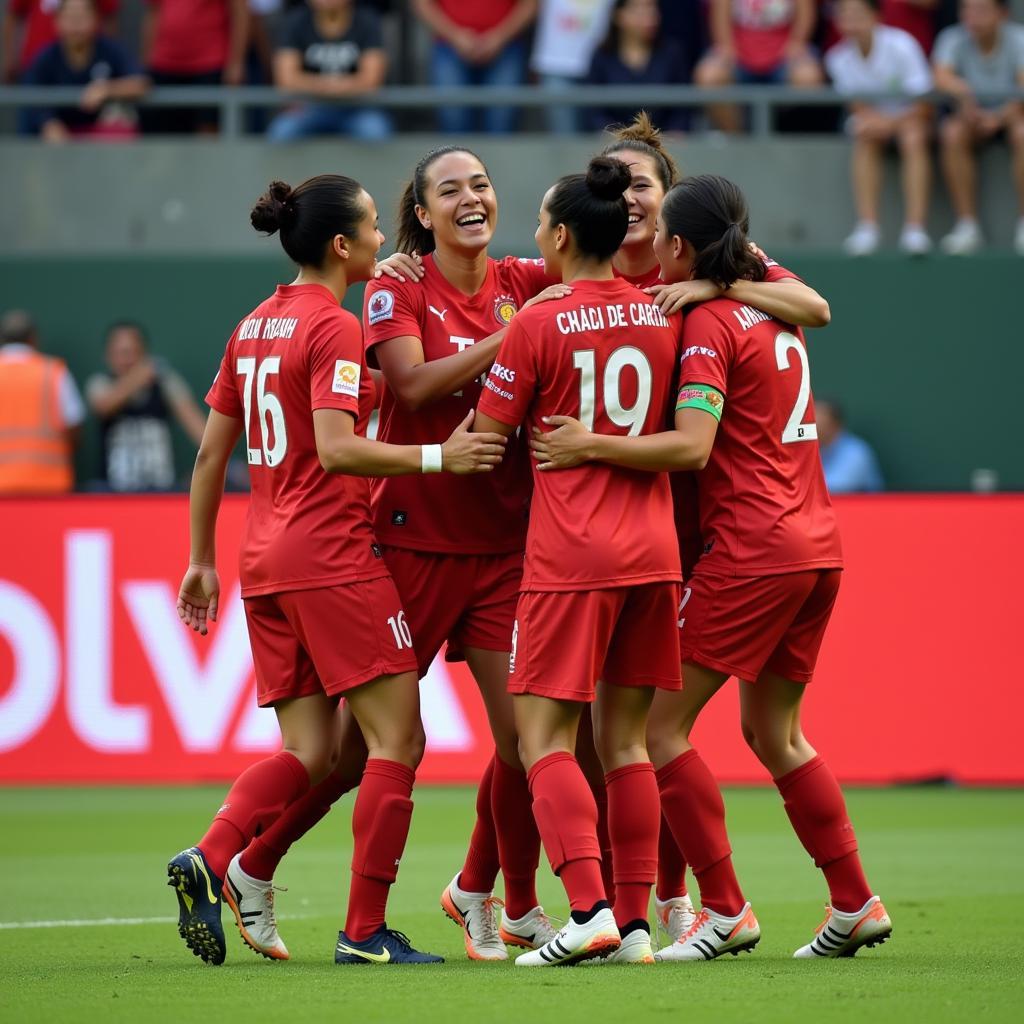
(897, 54)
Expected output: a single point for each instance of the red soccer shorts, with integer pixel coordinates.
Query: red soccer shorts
(468, 600)
(564, 642)
(748, 625)
(331, 639)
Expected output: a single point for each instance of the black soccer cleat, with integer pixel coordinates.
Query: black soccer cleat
(198, 891)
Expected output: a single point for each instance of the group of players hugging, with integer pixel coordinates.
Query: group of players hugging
(628, 510)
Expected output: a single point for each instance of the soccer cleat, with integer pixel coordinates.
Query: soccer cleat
(635, 948)
(384, 946)
(474, 913)
(914, 240)
(198, 890)
(675, 916)
(863, 240)
(964, 239)
(576, 942)
(843, 934)
(713, 934)
(530, 931)
(252, 903)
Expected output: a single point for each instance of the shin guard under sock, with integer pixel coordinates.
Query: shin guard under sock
(634, 817)
(518, 838)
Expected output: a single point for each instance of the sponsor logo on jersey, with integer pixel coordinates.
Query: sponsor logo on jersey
(346, 378)
(377, 552)
(503, 373)
(439, 313)
(382, 306)
(500, 392)
(505, 307)
(399, 517)
(699, 350)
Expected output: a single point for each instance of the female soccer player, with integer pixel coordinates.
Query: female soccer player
(760, 597)
(293, 380)
(601, 575)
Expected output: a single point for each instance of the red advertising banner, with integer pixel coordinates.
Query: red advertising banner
(100, 682)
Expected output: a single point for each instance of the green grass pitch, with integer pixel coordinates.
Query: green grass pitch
(947, 862)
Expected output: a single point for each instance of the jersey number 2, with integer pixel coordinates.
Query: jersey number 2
(632, 416)
(796, 430)
(268, 405)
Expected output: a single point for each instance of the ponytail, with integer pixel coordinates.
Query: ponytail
(710, 212)
(641, 136)
(592, 206)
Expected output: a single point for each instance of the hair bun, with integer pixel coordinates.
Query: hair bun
(275, 209)
(607, 178)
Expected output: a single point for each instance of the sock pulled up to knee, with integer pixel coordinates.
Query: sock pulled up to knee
(634, 817)
(482, 863)
(517, 835)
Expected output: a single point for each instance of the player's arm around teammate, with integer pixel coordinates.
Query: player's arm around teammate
(601, 565)
(759, 601)
(308, 562)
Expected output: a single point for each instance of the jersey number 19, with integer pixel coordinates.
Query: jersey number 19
(631, 416)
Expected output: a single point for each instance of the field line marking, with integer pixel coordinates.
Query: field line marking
(97, 922)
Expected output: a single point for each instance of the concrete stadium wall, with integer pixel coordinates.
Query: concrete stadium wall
(194, 196)
(926, 355)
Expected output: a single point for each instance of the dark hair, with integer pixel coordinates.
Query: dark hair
(17, 327)
(613, 37)
(834, 407)
(592, 206)
(642, 137)
(711, 214)
(410, 235)
(128, 325)
(310, 215)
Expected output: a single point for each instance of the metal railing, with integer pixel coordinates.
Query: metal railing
(233, 102)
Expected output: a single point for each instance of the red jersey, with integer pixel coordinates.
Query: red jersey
(40, 27)
(760, 31)
(764, 507)
(645, 280)
(190, 36)
(443, 513)
(480, 15)
(606, 355)
(296, 352)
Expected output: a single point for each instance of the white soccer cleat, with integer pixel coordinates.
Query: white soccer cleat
(964, 239)
(576, 942)
(863, 240)
(474, 912)
(914, 240)
(252, 903)
(675, 916)
(843, 934)
(713, 934)
(635, 948)
(531, 931)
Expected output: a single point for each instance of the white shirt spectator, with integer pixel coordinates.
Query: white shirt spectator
(568, 33)
(72, 408)
(894, 68)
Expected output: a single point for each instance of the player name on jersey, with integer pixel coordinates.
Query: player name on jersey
(750, 317)
(616, 314)
(267, 328)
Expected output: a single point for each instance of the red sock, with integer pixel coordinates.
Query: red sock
(253, 803)
(671, 865)
(815, 805)
(482, 864)
(566, 815)
(380, 826)
(634, 816)
(604, 838)
(267, 850)
(518, 839)
(693, 807)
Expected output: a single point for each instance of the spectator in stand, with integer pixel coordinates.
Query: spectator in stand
(758, 42)
(330, 48)
(136, 402)
(984, 53)
(83, 57)
(478, 43)
(633, 53)
(41, 413)
(30, 25)
(193, 42)
(849, 462)
(874, 58)
(568, 33)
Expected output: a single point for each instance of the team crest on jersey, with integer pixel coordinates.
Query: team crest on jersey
(346, 378)
(382, 306)
(505, 307)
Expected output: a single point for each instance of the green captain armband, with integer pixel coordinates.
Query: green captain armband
(701, 396)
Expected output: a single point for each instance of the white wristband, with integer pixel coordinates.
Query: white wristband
(431, 459)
